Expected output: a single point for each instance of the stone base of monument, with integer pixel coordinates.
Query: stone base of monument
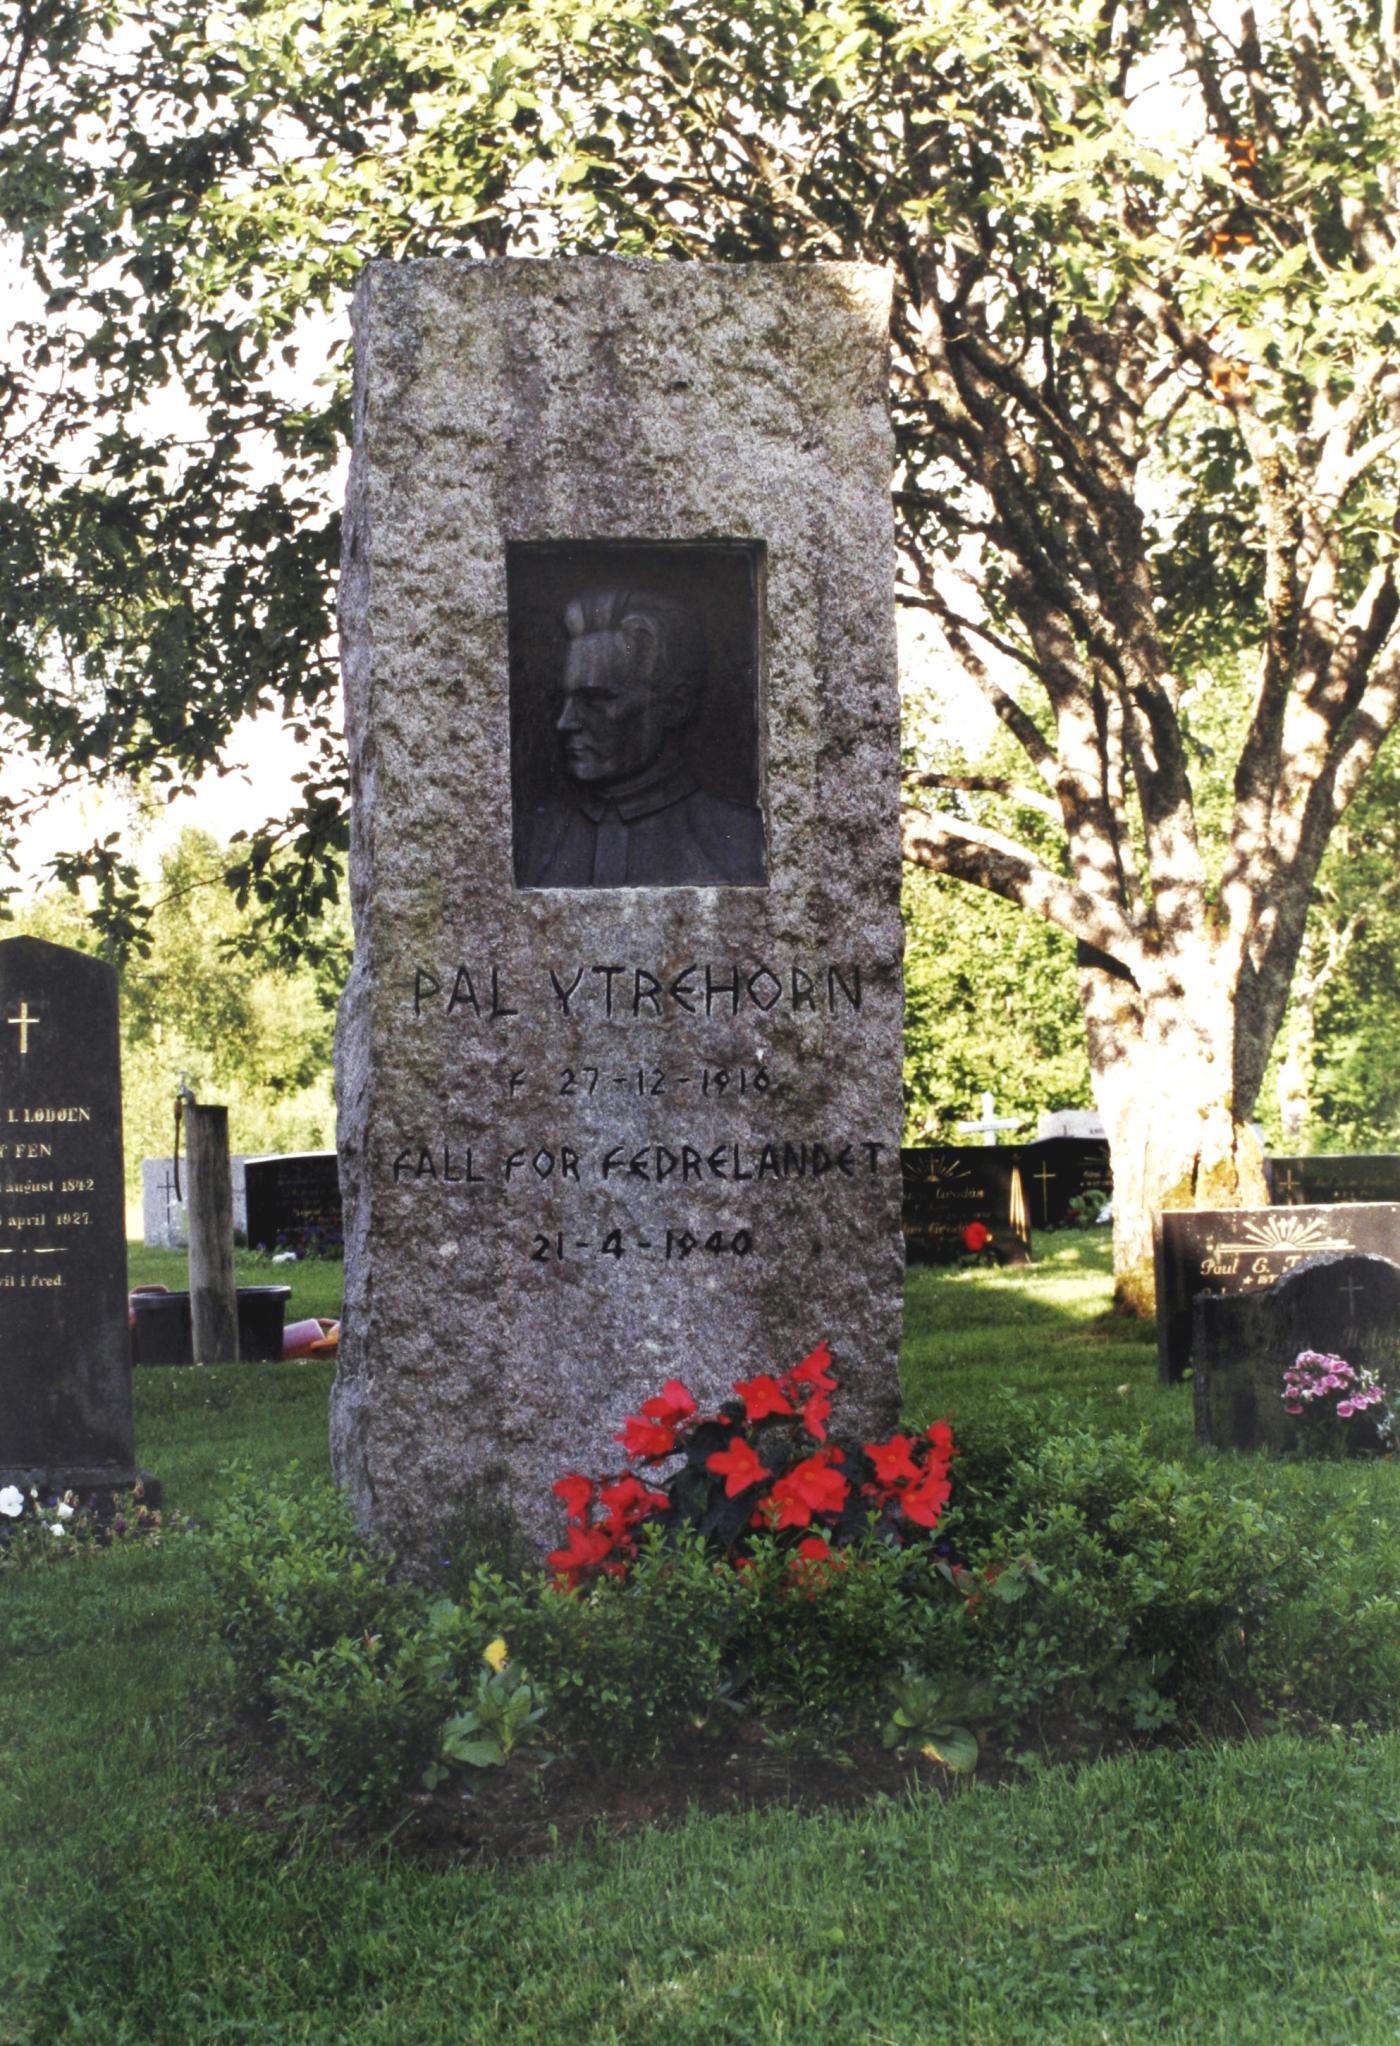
(1241, 1344)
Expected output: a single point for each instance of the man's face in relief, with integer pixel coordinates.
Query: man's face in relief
(614, 718)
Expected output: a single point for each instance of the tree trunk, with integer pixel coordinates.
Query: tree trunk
(1163, 1068)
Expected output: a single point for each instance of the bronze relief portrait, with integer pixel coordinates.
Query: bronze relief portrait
(636, 726)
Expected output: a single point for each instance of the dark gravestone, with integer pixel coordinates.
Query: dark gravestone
(65, 1362)
(294, 1203)
(1243, 1250)
(1334, 1177)
(949, 1186)
(1057, 1170)
(1346, 1306)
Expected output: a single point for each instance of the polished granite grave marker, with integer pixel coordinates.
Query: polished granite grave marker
(1057, 1171)
(1345, 1305)
(65, 1362)
(1242, 1250)
(1328, 1177)
(292, 1202)
(950, 1187)
(619, 1062)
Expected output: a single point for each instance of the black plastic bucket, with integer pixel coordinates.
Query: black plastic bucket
(161, 1332)
(260, 1315)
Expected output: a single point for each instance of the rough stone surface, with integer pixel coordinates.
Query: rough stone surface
(1342, 1305)
(65, 1360)
(545, 1090)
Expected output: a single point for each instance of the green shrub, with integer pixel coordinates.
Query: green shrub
(1116, 1582)
(623, 1662)
(826, 1637)
(364, 1715)
(1329, 1645)
(292, 1575)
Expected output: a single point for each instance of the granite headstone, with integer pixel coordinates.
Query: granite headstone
(1057, 1171)
(948, 1187)
(619, 1062)
(1343, 1305)
(292, 1202)
(1331, 1177)
(164, 1223)
(65, 1363)
(1243, 1250)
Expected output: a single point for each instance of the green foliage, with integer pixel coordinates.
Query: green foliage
(1112, 1578)
(367, 1714)
(504, 1714)
(167, 581)
(925, 1713)
(824, 1638)
(207, 1002)
(1273, 1860)
(294, 1577)
(625, 1662)
(991, 1001)
(1338, 1034)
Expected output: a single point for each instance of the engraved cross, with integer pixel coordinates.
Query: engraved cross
(25, 1023)
(1351, 1289)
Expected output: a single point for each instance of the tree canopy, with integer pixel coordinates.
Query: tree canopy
(1145, 388)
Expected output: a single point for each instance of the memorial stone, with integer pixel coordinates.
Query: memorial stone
(1057, 1171)
(1243, 1250)
(1346, 1306)
(1071, 1122)
(292, 1202)
(164, 1223)
(1334, 1177)
(948, 1187)
(619, 1060)
(65, 1364)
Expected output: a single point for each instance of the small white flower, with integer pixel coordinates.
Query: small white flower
(11, 1501)
(65, 1511)
(56, 1527)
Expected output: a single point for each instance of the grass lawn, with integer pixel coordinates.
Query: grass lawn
(1235, 1894)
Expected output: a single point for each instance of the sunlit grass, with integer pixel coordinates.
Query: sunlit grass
(1243, 1896)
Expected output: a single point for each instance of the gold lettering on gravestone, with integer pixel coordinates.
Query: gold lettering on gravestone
(1274, 1244)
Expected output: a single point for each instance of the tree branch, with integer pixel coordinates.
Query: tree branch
(968, 852)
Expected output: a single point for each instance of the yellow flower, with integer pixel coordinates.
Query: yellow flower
(495, 1652)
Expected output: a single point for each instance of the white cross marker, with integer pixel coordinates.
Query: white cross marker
(25, 1023)
(991, 1122)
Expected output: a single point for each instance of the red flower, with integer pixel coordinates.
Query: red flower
(587, 1547)
(815, 1415)
(922, 1503)
(650, 1440)
(815, 1369)
(628, 1501)
(762, 1396)
(811, 1486)
(893, 1464)
(738, 1466)
(814, 1563)
(576, 1493)
(672, 1405)
(976, 1236)
(941, 1436)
